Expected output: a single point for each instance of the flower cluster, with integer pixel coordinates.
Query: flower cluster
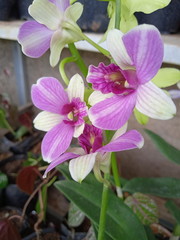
(119, 88)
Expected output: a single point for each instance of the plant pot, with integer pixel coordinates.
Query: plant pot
(23, 9)
(167, 20)
(94, 17)
(6, 7)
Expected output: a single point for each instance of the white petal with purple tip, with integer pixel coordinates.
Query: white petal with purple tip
(61, 159)
(97, 97)
(49, 95)
(113, 112)
(45, 121)
(61, 4)
(145, 47)
(76, 88)
(118, 50)
(78, 130)
(120, 131)
(56, 141)
(35, 39)
(80, 167)
(154, 102)
(45, 12)
(130, 140)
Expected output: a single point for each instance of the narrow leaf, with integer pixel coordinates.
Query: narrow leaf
(164, 147)
(3, 180)
(119, 217)
(174, 210)
(162, 187)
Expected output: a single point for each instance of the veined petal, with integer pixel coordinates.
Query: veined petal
(49, 95)
(98, 96)
(153, 102)
(145, 47)
(78, 130)
(45, 12)
(113, 112)
(130, 140)
(76, 88)
(120, 131)
(56, 141)
(74, 11)
(35, 38)
(45, 121)
(80, 167)
(59, 160)
(118, 50)
(61, 4)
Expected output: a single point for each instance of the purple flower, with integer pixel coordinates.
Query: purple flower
(62, 115)
(119, 89)
(93, 153)
(48, 31)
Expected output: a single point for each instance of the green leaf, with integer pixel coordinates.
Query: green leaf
(3, 180)
(144, 207)
(166, 77)
(64, 169)
(119, 217)
(140, 117)
(146, 6)
(164, 147)
(174, 210)
(21, 132)
(149, 233)
(44, 201)
(162, 187)
(3, 121)
(75, 216)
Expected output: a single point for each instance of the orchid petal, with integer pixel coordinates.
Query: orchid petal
(118, 50)
(154, 103)
(56, 141)
(80, 167)
(130, 140)
(145, 47)
(49, 95)
(76, 88)
(59, 160)
(98, 96)
(178, 84)
(74, 11)
(61, 4)
(120, 131)
(112, 113)
(78, 130)
(76, 150)
(35, 38)
(174, 94)
(45, 12)
(45, 121)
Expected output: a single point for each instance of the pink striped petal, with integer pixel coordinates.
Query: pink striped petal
(61, 159)
(56, 141)
(145, 47)
(130, 140)
(35, 39)
(49, 95)
(113, 112)
(154, 102)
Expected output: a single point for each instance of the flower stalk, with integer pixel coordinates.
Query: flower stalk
(62, 68)
(118, 14)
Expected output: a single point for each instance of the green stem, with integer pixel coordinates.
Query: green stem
(118, 14)
(116, 175)
(79, 61)
(99, 48)
(104, 205)
(62, 68)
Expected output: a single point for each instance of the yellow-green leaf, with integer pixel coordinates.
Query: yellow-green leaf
(146, 6)
(166, 77)
(140, 117)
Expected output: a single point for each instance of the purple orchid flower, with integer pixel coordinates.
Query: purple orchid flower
(62, 115)
(48, 31)
(93, 152)
(119, 89)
